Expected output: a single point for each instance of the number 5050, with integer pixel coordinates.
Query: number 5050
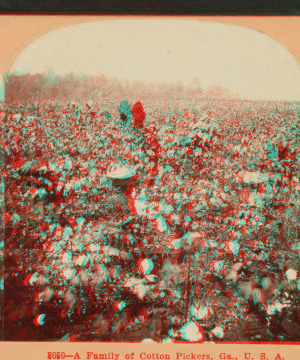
(56, 355)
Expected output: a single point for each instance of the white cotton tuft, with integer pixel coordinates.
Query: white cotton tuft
(146, 266)
(191, 331)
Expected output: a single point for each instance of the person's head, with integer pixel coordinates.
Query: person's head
(123, 117)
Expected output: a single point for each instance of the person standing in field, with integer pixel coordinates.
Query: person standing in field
(139, 137)
(125, 113)
(138, 115)
(151, 145)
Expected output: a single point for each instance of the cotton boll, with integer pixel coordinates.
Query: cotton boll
(151, 278)
(66, 258)
(218, 332)
(279, 306)
(191, 331)
(131, 282)
(119, 305)
(68, 273)
(258, 296)
(33, 279)
(84, 278)
(233, 247)
(167, 340)
(291, 274)
(271, 309)
(141, 207)
(81, 260)
(46, 295)
(39, 320)
(217, 266)
(233, 275)
(141, 203)
(95, 247)
(146, 266)
(267, 283)
(177, 196)
(177, 219)
(201, 312)
(161, 224)
(140, 290)
(148, 341)
(75, 280)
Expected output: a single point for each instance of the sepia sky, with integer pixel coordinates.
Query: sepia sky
(246, 62)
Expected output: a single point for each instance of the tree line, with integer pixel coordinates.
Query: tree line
(35, 87)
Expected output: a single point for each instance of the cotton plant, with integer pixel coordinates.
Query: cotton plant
(83, 255)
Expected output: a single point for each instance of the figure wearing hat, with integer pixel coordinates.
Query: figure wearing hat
(117, 204)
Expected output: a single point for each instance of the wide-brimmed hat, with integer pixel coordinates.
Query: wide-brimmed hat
(122, 175)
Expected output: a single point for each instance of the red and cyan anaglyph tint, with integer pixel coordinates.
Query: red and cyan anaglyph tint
(143, 212)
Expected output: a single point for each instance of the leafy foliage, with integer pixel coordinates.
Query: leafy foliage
(211, 252)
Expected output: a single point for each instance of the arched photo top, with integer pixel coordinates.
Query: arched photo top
(247, 63)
